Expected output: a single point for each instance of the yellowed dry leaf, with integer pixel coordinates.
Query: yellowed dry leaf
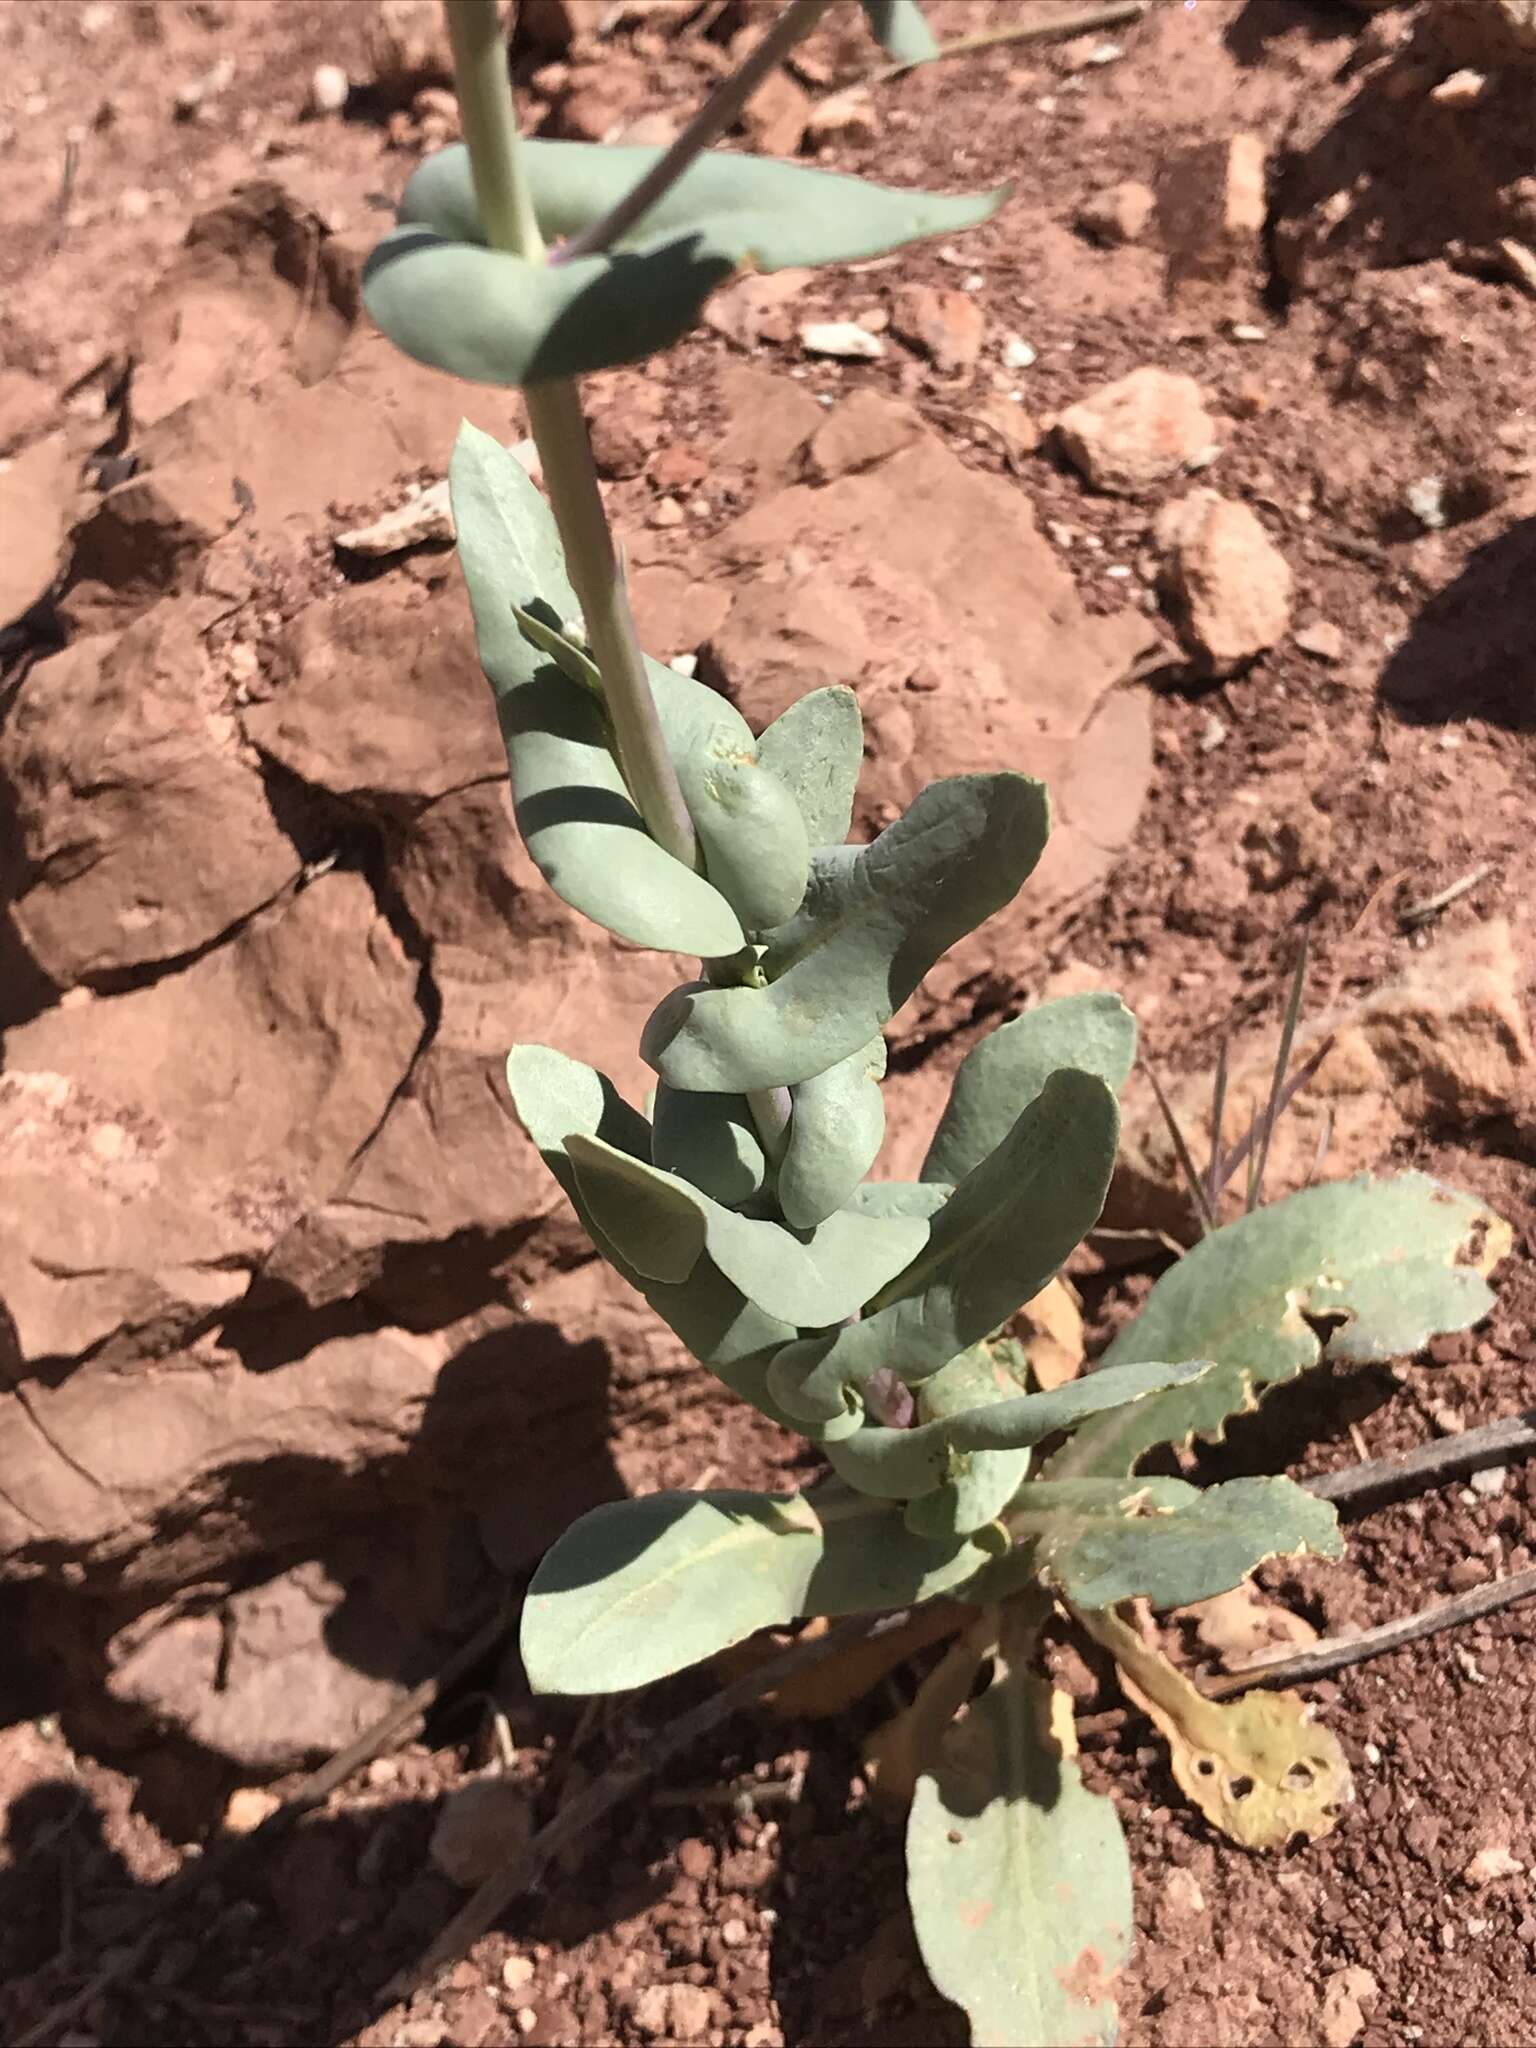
(1050, 1329)
(1259, 1767)
(822, 1691)
(900, 1750)
(1240, 1626)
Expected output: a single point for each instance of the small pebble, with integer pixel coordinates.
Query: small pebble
(842, 338)
(328, 89)
(1017, 353)
(1489, 1481)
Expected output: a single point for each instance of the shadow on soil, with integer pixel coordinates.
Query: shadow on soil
(1471, 652)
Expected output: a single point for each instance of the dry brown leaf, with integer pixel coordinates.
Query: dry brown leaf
(822, 1691)
(1050, 1328)
(1240, 1626)
(899, 1751)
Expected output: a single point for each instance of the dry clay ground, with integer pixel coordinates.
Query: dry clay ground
(300, 1355)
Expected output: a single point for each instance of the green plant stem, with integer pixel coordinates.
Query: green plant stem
(560, 434)
(717, 114)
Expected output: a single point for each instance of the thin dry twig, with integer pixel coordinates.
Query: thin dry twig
(1060, 28)
(481, 1912)
(1277, 1095)
(1421, 913)
(1202, 1200)
(1337, 1653)
(1431, 1464)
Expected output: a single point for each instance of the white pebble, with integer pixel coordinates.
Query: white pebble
(845, 338)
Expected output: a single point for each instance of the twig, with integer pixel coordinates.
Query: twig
(1276, 1105)
(1061, 28)
(1213, 1182)
(1288, 1094)
(1337, 1653)
(309, 1793)
(1430, 1464)
(1191, 1173)
(1420, 913)
(711, 121)
(481, 1912)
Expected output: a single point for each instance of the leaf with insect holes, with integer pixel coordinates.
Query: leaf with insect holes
(998, 1077)
(449, 301)
(992, 1246)
(816, 748)
(1259, 1767)
(1395, 1262)
(1018, 1876)
(569, 795)
(1101, 1541)
(874, 920)
(640, 1589)
(901, 29)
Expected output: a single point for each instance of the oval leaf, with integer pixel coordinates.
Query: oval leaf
(570, 800)
(875, 919)
(1095, 1033)
(1019, 1877)
(816, 748)
(837, 1128)
(992, 1246)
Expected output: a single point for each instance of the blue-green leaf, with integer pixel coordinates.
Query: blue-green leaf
(660, 1224)
(901, 29)
(1019, 1877)
(875, 919)
(836, 1131)
(753, 837)
(572, 807)
(557, 1097)
(711, 1141)
(816, 748)
(1397, 1261)
(993, 1245)
(1095, 1033)
(642, 1588)
(449, 301)
(1101, 1542)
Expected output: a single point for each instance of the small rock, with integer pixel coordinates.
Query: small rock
(1490, 1481)
(694, 1859)
(863, 430)
(775, 117)
(1120, 213)
(1212, 205)
(1018, 354)
(1461, 89)
(843, 117)
(1139, 431)
(1018, 430)
(426, 517)
(1425, 499)
(328, 89)
(1343, 2020)
(754, 309)
(678, 2013)
(481, 1827)
(1230, 582)
(945, 326)
(1182, 1896)
(248, 1807)
(664, 513)
(525, 2019)
(196, 93)
(1321, 639)
(517, 1972)
(1518, 263)
(735, 1934)
(1490, 1864)
(843, 338)
(649, 131)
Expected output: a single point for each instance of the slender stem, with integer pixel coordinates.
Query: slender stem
(490, 128)
(570, 476)
(561, 437)
(717, 114)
